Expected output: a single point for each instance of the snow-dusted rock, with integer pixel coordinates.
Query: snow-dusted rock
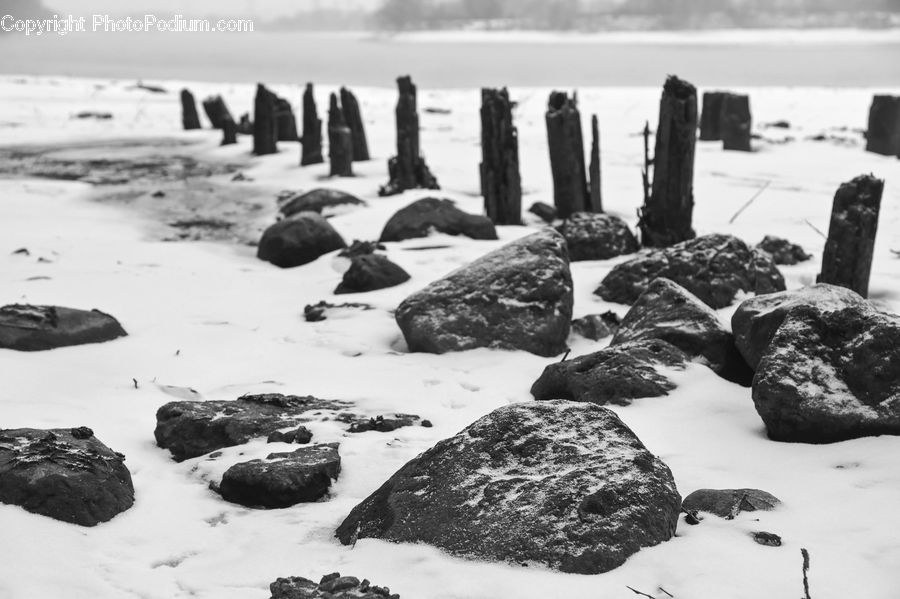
(567, 485)
(320, 201)
(831, 375)
(283, 479)
(668, 311)
(543, 211)
(597, 326)
(298, 240)
(332, 586)
(371, 272)
(192, 428)
(422, 216)
(728, 503)
(782, 250)
(614, 375)
(596, 236)
(755, 321)
(66, 474)
(516, 297)
(33, 328)
(714, 267)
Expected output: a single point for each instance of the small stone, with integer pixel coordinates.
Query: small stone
(82, 432)
(597, 326)
(433, 214)
(767, 538)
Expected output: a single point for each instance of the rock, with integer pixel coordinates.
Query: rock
(597, 236)
(422, 216)
(385, 425)
(66, 474)
(369, 273)
(283, 479)
(544, 211)
(728, 503)
(830, 376)
(25, 327)
(614, 375)
(755, 321)
(597, 326)
(768, 539)
(516, 297)
(192, 428)
(298, 240)
(714, 267)
(360, 248)
(562, 484)
(667, 311)
(301, 435)
(319, 200)
(783, 251)
(318, 312)
(348, 587)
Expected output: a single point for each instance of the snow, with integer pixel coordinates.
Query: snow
(211, 317)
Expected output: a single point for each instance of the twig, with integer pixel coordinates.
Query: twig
(135, 383)
(750, 201)
(813, 227)
(568, 351)
(637, 592)
(666, 592)
(805, 555)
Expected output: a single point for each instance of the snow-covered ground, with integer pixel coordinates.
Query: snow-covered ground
(212, 317)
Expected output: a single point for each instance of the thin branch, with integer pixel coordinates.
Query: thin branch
(666, 592)
(813, 227)
(805, 555)
(637, 592)
(750, 201)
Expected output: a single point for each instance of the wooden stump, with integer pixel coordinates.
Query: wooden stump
(245, 127)
(711, 117)
(229, 131)
(883, 134)
(285, 121)
(736, 122)
(265, 127)
(217, 111)
(189, 117)
(311, 152)
(501, 185)
(407, 170)
(340, 141)
(847, 259)
(570, 189)
(665, 218)
(354, 120)
(594, 168)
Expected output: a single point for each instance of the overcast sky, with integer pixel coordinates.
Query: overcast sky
(235, 8)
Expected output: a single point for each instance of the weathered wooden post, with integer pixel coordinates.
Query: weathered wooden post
(736, 122)
(665, 218)
(311, 151)
(594, 167)
(847, 259)
(350, 106)
(711, 116)
(245, 126)
(883, 132)
(217, 111)
(229, 131)
(189, 117)
(501, 185)
(570, 189)
(285, 121)
(407, 170)
(265, 127)
(340, 141)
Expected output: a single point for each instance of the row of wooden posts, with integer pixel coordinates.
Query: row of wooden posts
(666, 216)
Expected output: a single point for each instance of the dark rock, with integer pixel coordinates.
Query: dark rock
(300, 435)
(516, 297)
(283, 479)
(369, 273)
(317, 312)
(192, 428)
(755, 321)
(595, 236)
(298, 240)
(318, 200)
(422, 216)
(332, 586)
(544, 211)
(713, 267)
(782, 250)
(385, 425)
(597, 326)
(361, 248)
(66, 474)
(614, 375)
(669, 312)
(830, 376)
(728, 503)
(25, 327)
(562, 484)
(767, 538)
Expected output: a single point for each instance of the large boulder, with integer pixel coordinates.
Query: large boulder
(423, 216)
(566, 485)
(714, 267)
(320, 201)
(668, 311)
(516, 297)
(33, 328)
(283, 479)
(597, 236)
(332, 586)
(783, 251)
(193, 428)
(370, 272)
(757, 319)
(728, 503)
(66, 474)
(298, 240)
(615, 375)
(831, 375)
